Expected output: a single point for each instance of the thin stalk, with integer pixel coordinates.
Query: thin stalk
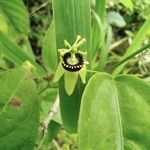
(129, 57)
(39, 8)
(44, 127)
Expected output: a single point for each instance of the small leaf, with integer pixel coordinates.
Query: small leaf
(53, 129)
(116, 19)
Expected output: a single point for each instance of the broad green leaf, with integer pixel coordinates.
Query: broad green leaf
(16, 15)
(19, 110)
(141, 87)
(100, 121)
(143, 32)
(135, 112)
(13, 52)
(116, 114)
(49, 52)
(116, 19)
(71, 18)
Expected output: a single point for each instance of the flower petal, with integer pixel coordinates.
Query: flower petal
(59, 73)
(82, 74)
(70, 81)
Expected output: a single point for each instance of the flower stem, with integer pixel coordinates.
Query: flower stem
(130, 56)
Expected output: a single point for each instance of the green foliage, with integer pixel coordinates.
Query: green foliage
(49, 52)
(15, 16)
(17, 56)
(76, 22)
(128, 4)
(19, 110)
(100, 120)
(116, 114)
(137, 41)
(116, 19)
(107, 111)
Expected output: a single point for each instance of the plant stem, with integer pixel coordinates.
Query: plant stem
(130, 56)
(46, 122)
(56, 145)
(48, 86)
(37, 9)
(118, 43)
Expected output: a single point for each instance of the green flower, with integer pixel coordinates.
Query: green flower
(72, 63)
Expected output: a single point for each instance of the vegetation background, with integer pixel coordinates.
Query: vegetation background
(128, 17)
(124, 18)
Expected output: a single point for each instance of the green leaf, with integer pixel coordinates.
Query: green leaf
(19, 110)
(71, 18)
(3, 25)
(100, 122)
(116, 19)
(134, 101)
(97, 28)
(49, 52)
(137, 84)
(13, 52)
(16, 15)
(128, 4)
(53, 129)
(143, 32)
(116, 114)
(98, 34)
(104, 50)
